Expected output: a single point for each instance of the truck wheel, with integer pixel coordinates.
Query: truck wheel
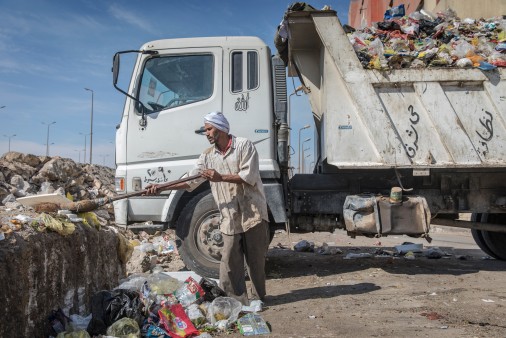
(496, 241)
(478, 237)
(200, 239)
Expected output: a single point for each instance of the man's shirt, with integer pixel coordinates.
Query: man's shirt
(243, 205)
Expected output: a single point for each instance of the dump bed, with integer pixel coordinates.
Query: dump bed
(406, 118)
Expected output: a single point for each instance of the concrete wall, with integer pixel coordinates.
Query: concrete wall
(45, 271)
(363, 13)
(469, 8)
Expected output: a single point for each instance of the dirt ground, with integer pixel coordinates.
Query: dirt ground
(311, 295)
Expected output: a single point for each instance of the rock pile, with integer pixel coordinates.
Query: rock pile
(25, 174)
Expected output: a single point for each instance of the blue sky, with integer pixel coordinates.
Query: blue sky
(50, 50)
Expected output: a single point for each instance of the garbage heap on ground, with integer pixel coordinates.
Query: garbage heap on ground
(153, 252)
(422, 39)
(158, 305)
(23, 175)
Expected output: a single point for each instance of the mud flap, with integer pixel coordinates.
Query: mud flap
(375, 215)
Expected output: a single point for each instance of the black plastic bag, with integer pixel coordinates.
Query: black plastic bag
(389, 26)
(211, 289)
(109, 306)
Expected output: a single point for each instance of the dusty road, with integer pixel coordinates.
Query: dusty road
(311, 295)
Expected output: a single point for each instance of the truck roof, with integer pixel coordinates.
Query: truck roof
(203, 42)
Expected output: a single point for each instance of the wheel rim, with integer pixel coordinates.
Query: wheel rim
(208, 238)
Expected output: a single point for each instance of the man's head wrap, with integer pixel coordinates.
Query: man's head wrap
(218, 120)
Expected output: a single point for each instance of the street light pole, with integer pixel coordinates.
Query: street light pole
(79, 151)
(91, 125)
(47, 136)
(84, 157)
(305, 127)
(307, 156)
(301, 169)
(9, 137)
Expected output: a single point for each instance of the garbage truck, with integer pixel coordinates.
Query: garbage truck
(396, 150)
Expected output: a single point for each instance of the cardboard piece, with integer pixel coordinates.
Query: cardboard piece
(31, 201)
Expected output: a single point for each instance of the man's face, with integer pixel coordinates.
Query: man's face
(212, 133)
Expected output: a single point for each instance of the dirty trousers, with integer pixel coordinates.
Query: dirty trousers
(250, 246)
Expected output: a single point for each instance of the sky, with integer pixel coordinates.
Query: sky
(51, 50)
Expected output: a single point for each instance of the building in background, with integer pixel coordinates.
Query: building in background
(363, 13)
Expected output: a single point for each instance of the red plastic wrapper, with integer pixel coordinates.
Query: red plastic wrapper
(176, 322)
(189, 292)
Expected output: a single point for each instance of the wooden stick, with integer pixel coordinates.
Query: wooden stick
(89, 205)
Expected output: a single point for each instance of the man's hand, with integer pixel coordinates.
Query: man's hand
(212, 175)
(152, 189)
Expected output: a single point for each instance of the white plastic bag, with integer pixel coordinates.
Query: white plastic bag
(224, 309)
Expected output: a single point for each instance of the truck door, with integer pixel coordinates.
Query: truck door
(179, 87)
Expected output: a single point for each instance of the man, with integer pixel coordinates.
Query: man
(231, 165)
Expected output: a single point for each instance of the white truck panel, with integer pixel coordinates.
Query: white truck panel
(420, 118)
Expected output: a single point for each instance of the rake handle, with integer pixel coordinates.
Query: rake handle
(163, 185)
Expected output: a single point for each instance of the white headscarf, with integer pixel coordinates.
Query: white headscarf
(218, 120)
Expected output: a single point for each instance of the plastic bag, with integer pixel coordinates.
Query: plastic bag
(79, 322)
(153, 331)
(462, 49)
(61, 226)
(211, 290)
(125, 250)
(189, 292)
(411, 29)
(108, 307)
(395, 12)
(162, 284)
(304, 246)
(224, 308)
(145, 247)
(163, 245)
(74, 334)
(376, 47)
(133, 283)
(464, 63)
(124, 328)
(252, 324)
(176, 322)
(195, 314)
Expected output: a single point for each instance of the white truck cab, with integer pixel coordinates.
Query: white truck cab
(160, 136)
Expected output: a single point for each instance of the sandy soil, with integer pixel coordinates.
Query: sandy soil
(310, 295)
(460, 295)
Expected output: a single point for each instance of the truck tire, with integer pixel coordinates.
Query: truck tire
(199, 236)
(496, 241)
(478, 237)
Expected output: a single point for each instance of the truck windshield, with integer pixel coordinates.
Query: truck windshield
(175, 80)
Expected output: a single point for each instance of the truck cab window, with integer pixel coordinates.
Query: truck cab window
(238, 76)
(176, 80)
(252, 70)
(236, 72)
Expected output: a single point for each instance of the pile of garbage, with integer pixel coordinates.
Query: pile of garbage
(153, 252)
(23, 175)
(422, 39)
(159, 305)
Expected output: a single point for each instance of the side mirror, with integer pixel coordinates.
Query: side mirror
(115, 68)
